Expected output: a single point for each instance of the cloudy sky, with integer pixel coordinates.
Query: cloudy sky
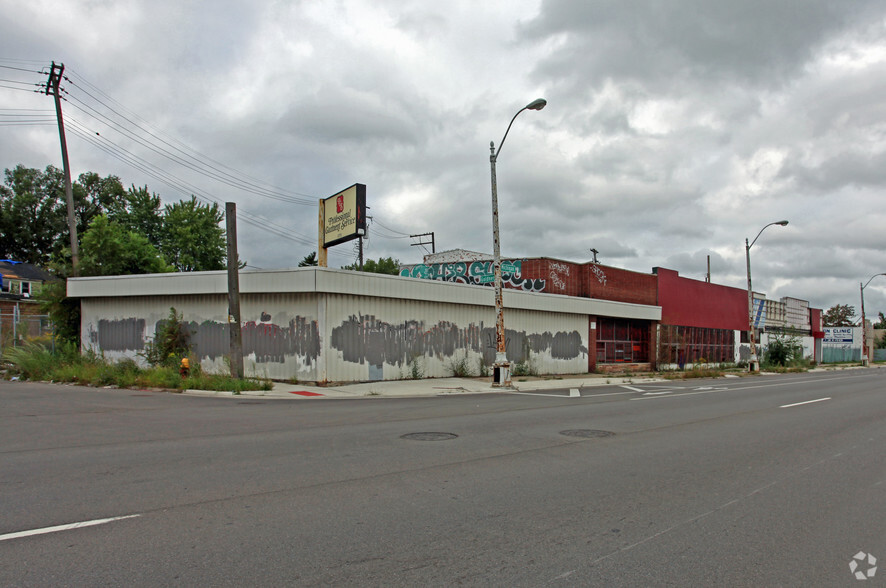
(673, 131)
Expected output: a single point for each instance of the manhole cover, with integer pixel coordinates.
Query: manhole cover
(429, 436)
(587, 433)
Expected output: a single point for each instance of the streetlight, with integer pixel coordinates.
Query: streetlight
(864, 335)
(501, 368)
(753, 364)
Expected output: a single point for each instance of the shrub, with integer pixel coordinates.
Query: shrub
(170, 342)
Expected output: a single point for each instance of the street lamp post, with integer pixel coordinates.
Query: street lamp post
(501, 367)
(865, 360)
(753, 364)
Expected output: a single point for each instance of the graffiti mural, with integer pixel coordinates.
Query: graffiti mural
(475, 273)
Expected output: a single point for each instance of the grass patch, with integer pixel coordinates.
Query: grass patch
(692, 373)
(37, 363)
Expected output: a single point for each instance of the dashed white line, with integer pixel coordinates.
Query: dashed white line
(67, 527)
(802, 403)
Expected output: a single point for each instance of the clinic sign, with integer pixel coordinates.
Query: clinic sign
(343, 216)
(839, 335)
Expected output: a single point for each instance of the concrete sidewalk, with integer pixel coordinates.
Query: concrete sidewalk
(431, 387)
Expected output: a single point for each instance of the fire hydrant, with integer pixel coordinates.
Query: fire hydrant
(185, 367)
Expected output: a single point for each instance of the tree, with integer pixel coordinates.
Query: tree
(309, 260)
(33, 214)
(139, 210)
(93, 196)
(34, 211)
(109, 249)
(881, 322)
(192, 239)
(384, 265)
(839, 315)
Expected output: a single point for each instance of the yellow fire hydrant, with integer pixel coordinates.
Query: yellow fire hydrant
(185, 368)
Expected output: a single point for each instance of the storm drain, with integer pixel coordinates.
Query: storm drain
(587, 433)
(429, 436)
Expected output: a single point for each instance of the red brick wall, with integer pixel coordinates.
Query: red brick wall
(610, 283)
(561, 277)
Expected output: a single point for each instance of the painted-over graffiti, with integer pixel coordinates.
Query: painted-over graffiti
(364, 339)
(209, 339)
(478, 273)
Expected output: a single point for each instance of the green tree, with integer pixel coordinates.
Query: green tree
(881, 322)
(33, 214)
(384, 265)
(93, 196)
(141, 211)
(839, 315)
(108, 249)
(308, 260)
(191, 238)
(64, 312)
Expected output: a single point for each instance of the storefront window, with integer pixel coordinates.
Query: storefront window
(622, 341)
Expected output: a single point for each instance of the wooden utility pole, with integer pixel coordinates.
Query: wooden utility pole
(52, 84)
(422, 243)
(234, 292)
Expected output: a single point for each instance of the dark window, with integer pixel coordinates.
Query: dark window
(682, 345)
(622, 341)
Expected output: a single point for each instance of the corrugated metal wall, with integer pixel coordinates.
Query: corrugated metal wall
(281, 334)
(389, 339)
(343, 337)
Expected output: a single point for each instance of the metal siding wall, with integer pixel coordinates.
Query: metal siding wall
(382, 339)
(278, 330)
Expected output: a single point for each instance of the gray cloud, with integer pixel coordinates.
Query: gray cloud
(673, 131)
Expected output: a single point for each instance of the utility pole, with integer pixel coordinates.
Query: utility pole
(594, 252)
(236, 337)
(52, 84)
(431, 243)
(360, 239)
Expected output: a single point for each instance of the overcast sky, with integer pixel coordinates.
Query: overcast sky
(673, 131)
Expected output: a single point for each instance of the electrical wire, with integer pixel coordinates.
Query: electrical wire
(183, 187)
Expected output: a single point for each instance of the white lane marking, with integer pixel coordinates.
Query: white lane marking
(574, 393)
(802, 403)
(657, 393)
(634, 389)
(67, 527)
(538, 394)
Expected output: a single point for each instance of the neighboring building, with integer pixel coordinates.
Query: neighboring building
(19, 312)
(701, 321)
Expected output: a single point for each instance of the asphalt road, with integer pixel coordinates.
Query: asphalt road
(693, 483)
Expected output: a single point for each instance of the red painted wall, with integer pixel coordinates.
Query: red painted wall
(692, 303)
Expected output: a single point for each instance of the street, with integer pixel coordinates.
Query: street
(756, 481)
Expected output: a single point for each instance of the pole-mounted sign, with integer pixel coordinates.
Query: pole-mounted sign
(342, 218)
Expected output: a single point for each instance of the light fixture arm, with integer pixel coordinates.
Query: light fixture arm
(536, 104)
(782, 223)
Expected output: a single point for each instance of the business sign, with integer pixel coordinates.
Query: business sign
(838, 334)
(344, 215)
